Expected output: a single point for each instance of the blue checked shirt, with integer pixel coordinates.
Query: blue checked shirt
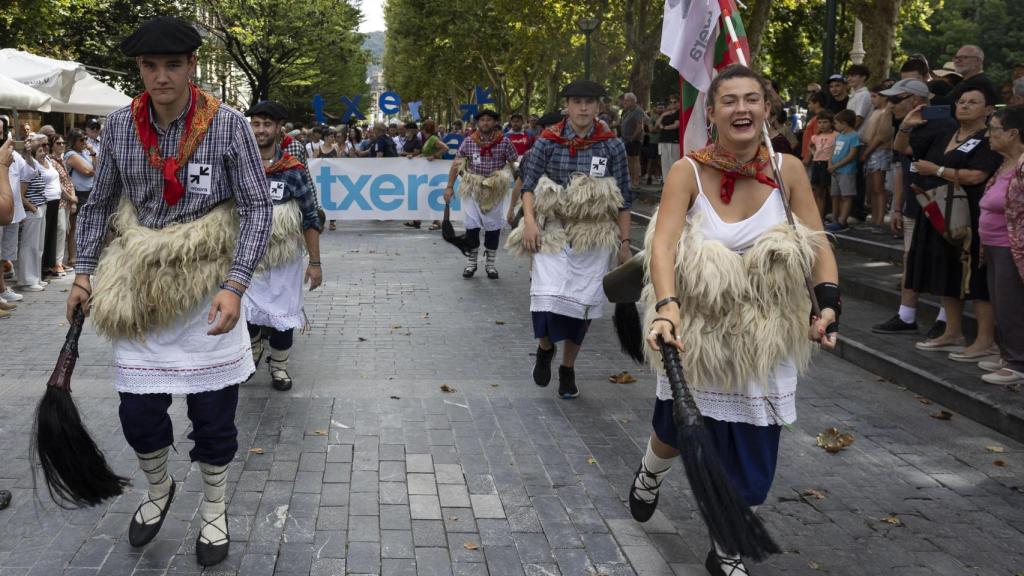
(553, 160)
(236, 171)
(298, 187)
(502, 153)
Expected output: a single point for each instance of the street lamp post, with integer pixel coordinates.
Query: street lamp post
(501, 90)
(587, 26)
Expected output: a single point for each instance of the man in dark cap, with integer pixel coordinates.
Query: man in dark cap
(483, 162)
(181, 171)
(576, 198)
(273, 302)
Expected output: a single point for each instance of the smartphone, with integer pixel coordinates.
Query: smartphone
(942, 112)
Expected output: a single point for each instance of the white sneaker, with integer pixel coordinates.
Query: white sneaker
(43, 283)
(33, 288)
(11, 296)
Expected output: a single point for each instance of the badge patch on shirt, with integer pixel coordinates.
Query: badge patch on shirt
(476, 158)
(276, 190)
(598, 166)
(969, 145)
(200, 179)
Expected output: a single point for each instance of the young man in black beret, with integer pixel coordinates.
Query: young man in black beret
(273, 302)
(181, 181)
(484, 162)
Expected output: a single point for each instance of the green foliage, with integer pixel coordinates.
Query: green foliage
(995, 25)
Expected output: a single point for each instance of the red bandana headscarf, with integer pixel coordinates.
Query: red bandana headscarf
(202, 108)
(599, 134)
(731, 168)
(487, 147)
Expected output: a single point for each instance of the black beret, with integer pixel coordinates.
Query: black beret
(584, 89)
(268, 108)
(487, 112)
(162, 35)
(550, 118)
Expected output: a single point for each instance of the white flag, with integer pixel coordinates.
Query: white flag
(688, 34)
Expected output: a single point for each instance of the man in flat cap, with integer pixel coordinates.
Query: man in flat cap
(273, 302)
(576, 198)
(182, 187)
(484, 164)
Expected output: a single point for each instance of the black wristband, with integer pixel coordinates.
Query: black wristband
(828, 296)
(665, 301)
(314, 263)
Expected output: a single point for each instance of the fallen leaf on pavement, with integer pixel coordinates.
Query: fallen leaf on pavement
(814, 565)
(591, 460)
(622, 378)
(361, 339)
(923, 400)
(426, 315)
(396, 397)
(453, 518)
(893, 519)
(812, 493)
(470, 545)
(396, 326)
(999, 463)
(833, 441)
(942, 415)
(320, 432)
(995, 449)
(447, 389)
(494, 385)
(499, 322)
(256, 450)
(592, 572)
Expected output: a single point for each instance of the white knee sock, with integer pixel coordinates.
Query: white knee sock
(212, 509)
(908, 314)
(154, 466)
(646, 486)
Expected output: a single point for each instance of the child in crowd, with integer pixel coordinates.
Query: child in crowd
(877, 156)
(843, 168)
(821, 152)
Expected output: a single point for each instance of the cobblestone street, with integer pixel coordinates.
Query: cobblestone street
(367, 467)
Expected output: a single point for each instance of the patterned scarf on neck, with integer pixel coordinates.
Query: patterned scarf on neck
(600, 133)
(201, 110)
(486, 147)
(731, 168)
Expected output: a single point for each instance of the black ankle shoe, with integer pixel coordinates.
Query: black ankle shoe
(211, 554)
(718, 566)
(938, 329)
(567, 382)
(642, 511)
(140, 534)
(279, 382)
(542, 368)
(492, 273)
(895, 325)
(468, 271)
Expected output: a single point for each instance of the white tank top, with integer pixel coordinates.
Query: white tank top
(736, 236)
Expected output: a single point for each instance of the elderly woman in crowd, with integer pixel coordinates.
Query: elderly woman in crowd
(998, 218)
(68, 202)
(959, 155)
(79, 162)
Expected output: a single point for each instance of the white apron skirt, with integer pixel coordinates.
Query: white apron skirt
(570, 284)
(274, 297)
(183, 359)
(494, 219)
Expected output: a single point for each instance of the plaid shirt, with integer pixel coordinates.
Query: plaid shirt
(298, 187)
(501, 154)
(553, 160)
(236, 172)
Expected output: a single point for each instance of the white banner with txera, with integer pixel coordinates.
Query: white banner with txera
(382, 188)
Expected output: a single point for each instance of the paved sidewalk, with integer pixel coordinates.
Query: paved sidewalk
(367, 467)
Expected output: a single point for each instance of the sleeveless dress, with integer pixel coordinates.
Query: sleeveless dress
(745, 423)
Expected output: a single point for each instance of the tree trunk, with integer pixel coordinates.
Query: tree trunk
(640, 79)
(760, 12)
(643, 20)
(879, 18)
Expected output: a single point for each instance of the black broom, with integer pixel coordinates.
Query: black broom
(731, 523)
(76, 472)
(448, 232)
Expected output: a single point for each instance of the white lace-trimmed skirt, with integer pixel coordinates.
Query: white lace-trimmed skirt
(474, 217)
(570, 283)
(758, 403)
(183, 359)
(274, 297)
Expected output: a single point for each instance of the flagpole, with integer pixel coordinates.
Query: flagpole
(776, 165)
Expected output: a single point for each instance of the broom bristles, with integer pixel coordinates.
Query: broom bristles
(627, 327)
(76, 472)
(731, 523)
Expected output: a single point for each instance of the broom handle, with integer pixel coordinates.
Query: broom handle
(684, 409)
(776, 168)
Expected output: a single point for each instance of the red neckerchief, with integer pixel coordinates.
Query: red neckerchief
(286, 141)
(201, 110)
(285, 162)
(600, 133)
(731, 168)
(485, 148)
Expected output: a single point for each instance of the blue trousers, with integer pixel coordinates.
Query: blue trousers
(147, 427)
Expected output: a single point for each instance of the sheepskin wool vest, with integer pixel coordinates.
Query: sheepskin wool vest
(487, 191)
(583, 215)
(742, 314)
(146, 279)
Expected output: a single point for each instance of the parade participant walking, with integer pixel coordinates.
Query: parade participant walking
(483, 162)
(576, 198)
(183, 190)
(520, 138)
(743, 330)
(273, 302)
